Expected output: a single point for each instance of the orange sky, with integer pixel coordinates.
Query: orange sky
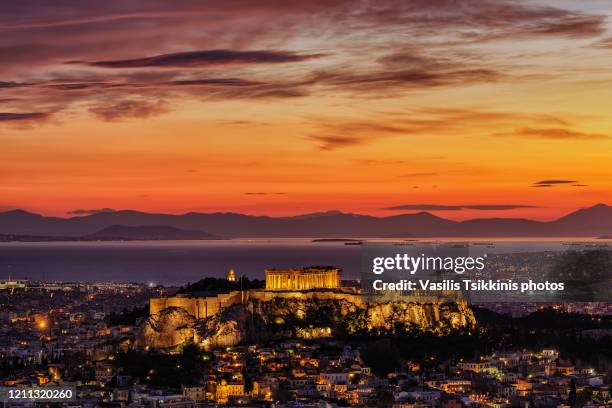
(287, 109)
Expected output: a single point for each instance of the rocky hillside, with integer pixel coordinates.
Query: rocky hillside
(300, 318)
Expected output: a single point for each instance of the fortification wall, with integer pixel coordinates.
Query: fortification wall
(267, 295)
(198, 307)
(203, 307)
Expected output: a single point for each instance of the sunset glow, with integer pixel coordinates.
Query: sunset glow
(461, 108)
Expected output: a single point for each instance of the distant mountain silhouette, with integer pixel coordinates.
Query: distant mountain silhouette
(597, 218)
(118, 233)
(592, 221)
(149, 233)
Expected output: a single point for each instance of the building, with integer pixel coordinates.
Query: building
(314, 277)
(476, 366)
(451, 403)
(104, 371)
(169, 401)
(550, 354)
(334, 378)
(197, 393)
(12, 284)
(225, 390)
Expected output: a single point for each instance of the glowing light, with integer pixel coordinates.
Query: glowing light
(42, 324)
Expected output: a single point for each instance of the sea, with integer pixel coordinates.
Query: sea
(180, 262)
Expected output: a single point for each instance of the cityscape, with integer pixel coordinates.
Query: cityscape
(249, 343)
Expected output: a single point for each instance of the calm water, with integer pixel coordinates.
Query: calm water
(167, 262)
(178, 262)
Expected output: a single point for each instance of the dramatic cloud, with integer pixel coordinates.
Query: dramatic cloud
(129, 109)
(405, 69)
(23, 116)
(551, 183)
(132, 95)
(335, 81)
(339, 133)
(481, 20)
(555, 182)
(572, 26)
(554, 133)
(343, 52)
(237, 82)
(81, 211)
(207, 58)
(331, 142)
(466, 16)
(401, 80)
(439, 207)
(23, 120)
(256, 91)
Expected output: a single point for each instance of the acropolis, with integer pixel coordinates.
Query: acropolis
(303, 278)
(284, 282)
(221, 319)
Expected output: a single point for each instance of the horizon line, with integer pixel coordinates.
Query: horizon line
(88, 213)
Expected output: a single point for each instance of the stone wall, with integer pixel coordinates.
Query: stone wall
(203, 307)
(198, 307)
(348, 295)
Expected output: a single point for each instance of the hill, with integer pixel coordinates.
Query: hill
(148, 233)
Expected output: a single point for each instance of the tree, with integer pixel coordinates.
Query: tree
(571, 400)
(383, 356)
(384, 399)
(283, 393)
(248, 381)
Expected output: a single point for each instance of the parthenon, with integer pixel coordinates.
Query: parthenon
(303, 279)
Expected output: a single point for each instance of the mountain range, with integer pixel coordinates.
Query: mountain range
(593, 221)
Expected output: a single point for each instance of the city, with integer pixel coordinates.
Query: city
(90, 336)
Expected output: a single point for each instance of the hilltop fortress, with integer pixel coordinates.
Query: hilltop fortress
(325, 281)
(294, 303)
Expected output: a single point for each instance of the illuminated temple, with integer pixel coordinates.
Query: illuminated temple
(303, 279)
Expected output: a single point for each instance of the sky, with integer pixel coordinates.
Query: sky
(464, 108)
